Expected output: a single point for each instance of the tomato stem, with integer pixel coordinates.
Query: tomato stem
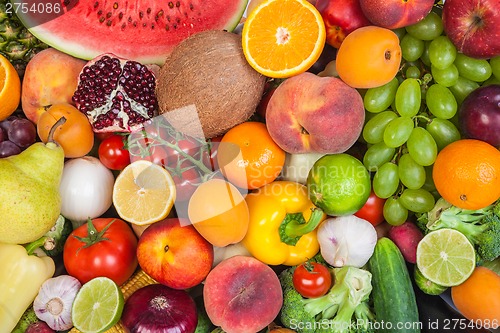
(93, 236)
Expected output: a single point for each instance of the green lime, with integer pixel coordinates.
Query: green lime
(339, 184)
(446, 257)
(98, 306)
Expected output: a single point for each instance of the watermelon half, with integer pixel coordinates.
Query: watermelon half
(141, 30)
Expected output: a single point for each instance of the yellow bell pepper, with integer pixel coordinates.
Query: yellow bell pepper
(283, 221)
(21, 276)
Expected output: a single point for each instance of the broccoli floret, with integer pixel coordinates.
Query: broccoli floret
(346, 304)
(29, 317)
(204, 324)
(481, 227)
(421, 222)
(488, 242)
(292, 314)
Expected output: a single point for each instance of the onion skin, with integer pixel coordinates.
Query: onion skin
(157, 308)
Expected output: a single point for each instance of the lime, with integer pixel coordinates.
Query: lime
(446, 257)
(98, 306)
(339, 184)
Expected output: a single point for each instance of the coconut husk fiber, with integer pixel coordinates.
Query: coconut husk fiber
(206, 86)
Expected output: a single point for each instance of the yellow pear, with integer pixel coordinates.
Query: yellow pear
(30, 202)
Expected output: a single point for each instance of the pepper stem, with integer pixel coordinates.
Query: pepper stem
(295, 226)
(31, 247)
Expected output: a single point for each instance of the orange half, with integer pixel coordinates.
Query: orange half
(283, 38)
(10, 88)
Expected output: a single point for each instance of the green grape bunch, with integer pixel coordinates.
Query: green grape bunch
(415, 115)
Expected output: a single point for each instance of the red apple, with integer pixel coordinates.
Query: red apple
(393, 14)
(473, 26)
(309, 113)
(173, 253)
(479, 115)
(341, 17)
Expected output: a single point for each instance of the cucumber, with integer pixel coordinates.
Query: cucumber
(393, 296)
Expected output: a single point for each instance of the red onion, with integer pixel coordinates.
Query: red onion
(157, 308)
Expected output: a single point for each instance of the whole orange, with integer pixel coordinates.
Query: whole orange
(478, 298)
(219, 212)
(248, 157)
(466, 173)
(368, 57)
(75, 136)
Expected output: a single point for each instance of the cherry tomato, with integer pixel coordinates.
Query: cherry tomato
(144, 147)
(112, 152)
(187, 145)
(186, 180)
(372, 210)
(88, 253)
(312, 279)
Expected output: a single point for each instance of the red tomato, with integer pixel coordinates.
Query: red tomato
(312, 279)
(91, 250)
(372, 210)
(112, 152)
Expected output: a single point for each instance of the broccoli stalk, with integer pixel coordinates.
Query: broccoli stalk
(346, 301)
(292, 311)
(29, 317)
(481, 227)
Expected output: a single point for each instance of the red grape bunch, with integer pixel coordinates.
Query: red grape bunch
(16, 134)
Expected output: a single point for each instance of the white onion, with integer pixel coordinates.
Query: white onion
(297, 166)
(86, 189)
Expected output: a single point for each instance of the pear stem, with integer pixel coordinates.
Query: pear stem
(58, 123)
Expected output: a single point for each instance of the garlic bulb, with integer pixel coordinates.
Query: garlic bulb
(346, 241)
(54, 301)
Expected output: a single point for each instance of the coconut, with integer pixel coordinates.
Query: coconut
(206, 86)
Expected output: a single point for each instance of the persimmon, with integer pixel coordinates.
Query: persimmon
(369, 57)
(75, 136)
(478, 298)
(219, 212)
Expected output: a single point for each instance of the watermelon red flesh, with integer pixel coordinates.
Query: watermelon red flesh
(141, 30)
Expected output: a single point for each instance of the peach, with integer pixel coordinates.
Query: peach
(242, 295)
(51, 77)
(308, 113)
